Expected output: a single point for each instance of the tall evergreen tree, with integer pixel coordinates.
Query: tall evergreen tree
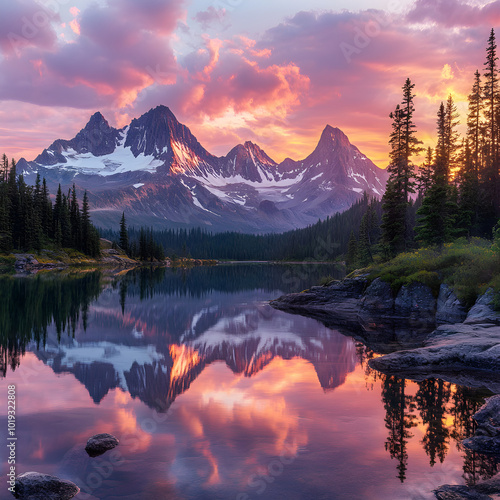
(490, 177)
(396, 230)
(424, 179)
(451, 140)
(438, 210)
(124, 234)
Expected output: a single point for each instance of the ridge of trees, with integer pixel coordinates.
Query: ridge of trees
(29, 220)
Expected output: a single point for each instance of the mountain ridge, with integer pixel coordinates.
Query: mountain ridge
(157, 171)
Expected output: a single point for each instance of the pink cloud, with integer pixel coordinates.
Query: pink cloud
(450, 13)
(26, 24)
(279, 90)
(112, 59)
(211, 16)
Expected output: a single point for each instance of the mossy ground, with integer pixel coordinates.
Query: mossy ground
(469, 267)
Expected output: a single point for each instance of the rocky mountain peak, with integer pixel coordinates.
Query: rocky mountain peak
(97, 121)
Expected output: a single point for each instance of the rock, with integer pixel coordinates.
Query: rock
(487, 436)
(25, 262)
(449, 308)
(416, 302)
(376, 302)
(100, 443)
(37, 486)
(458, 492)
(479, 491)
(449, 348)
(489, 486)
(482, 312)
(337, 303)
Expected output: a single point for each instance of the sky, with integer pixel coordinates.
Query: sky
(274, 72)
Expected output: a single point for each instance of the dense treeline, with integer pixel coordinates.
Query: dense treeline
(325, 240)
(458, 186)
(29, 220)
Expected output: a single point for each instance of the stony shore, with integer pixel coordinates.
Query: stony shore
(30, 264)
(422, 336)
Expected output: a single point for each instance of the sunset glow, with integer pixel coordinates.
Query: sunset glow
(232, 74)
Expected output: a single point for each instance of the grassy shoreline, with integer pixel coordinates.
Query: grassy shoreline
(468, 267)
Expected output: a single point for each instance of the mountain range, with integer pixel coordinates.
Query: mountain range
(157, 172)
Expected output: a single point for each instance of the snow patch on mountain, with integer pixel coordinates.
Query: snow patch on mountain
(120, 161)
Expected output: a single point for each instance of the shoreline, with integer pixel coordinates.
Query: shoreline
(419, 335)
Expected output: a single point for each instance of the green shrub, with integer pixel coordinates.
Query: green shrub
(326, 280)
(469, 267)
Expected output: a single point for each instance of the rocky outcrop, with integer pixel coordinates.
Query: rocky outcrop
(449, 308)
(37, 486)
(416, 303)
(467, 353)
(368, 305)
(100, 443)
(486, 439)
(482, 312)
(27, 263)
(337, 303)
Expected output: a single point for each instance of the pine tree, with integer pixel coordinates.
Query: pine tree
(452, 146)
(474, 123)
(124, 234)
(352, 251)
(438, 210)
(396, 230)
(490, 174)
(424, 179)
(75, 220)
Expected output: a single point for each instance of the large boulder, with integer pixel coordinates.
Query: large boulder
(482, 311)
(416, 303)
(449, 307)
(377, 302)
(337, 303)
(38, 486)
(100, 443)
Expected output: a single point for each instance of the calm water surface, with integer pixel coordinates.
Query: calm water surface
(215, 395)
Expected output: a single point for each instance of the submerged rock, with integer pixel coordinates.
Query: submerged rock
(471, 346)
(38, 486)
(448, 348)
(100, 443)
(449, 308)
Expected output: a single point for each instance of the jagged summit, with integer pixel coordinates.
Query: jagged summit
(156, 170)
(97, 120)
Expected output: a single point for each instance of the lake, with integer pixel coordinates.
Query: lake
(213, 394)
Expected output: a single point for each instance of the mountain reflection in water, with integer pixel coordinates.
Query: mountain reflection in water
(214, 394)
